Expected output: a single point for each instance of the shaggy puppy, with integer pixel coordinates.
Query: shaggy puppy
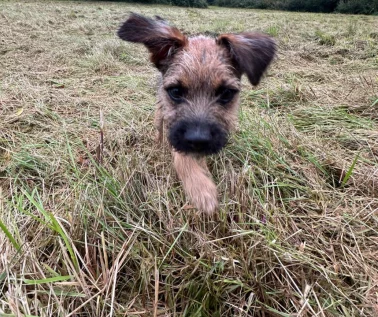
(198, 97)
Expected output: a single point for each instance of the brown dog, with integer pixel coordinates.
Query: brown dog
(198, 97)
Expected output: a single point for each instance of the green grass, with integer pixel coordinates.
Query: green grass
(296, 233)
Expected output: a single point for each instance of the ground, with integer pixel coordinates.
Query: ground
(105, 230)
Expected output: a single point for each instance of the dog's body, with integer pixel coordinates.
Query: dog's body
(198, 98)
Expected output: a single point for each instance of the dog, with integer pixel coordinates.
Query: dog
(198, 97)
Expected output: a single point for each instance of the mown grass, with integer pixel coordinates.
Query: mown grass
(296, 233)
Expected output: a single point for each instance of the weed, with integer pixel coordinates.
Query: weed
(325, 39)
(273, 30)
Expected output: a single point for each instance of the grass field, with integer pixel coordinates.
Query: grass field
(92, 231)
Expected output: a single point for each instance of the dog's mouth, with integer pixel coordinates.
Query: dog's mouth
(197, 137)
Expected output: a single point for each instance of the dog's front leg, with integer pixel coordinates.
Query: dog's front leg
(197, 182)
(159, 123)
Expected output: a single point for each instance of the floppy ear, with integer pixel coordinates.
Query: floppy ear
(162, 40)
(251, 53)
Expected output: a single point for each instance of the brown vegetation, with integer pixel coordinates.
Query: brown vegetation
(297, 228)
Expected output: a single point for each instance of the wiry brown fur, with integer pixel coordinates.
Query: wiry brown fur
(203, 67)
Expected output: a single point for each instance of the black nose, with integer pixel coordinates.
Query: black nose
(198, 136)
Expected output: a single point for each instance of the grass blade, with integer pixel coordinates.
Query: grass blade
(174, 243)
(47, 280)
(350, 171)
(55, 226)
(9, 236)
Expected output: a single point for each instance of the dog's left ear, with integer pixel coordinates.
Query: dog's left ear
(251, 53)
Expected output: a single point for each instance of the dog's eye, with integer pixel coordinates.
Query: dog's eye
(176, 93)
(226, 95)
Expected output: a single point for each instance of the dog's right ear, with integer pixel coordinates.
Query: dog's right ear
(162, 40)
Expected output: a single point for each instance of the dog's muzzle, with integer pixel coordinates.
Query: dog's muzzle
(199, 137)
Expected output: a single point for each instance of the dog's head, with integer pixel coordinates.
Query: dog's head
(201, 78)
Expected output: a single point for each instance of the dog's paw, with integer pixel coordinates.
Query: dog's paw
(197, 183)
(203, 195)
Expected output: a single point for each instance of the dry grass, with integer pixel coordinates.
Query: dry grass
(297, 230)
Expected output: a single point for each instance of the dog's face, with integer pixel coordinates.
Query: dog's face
(199, 94)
